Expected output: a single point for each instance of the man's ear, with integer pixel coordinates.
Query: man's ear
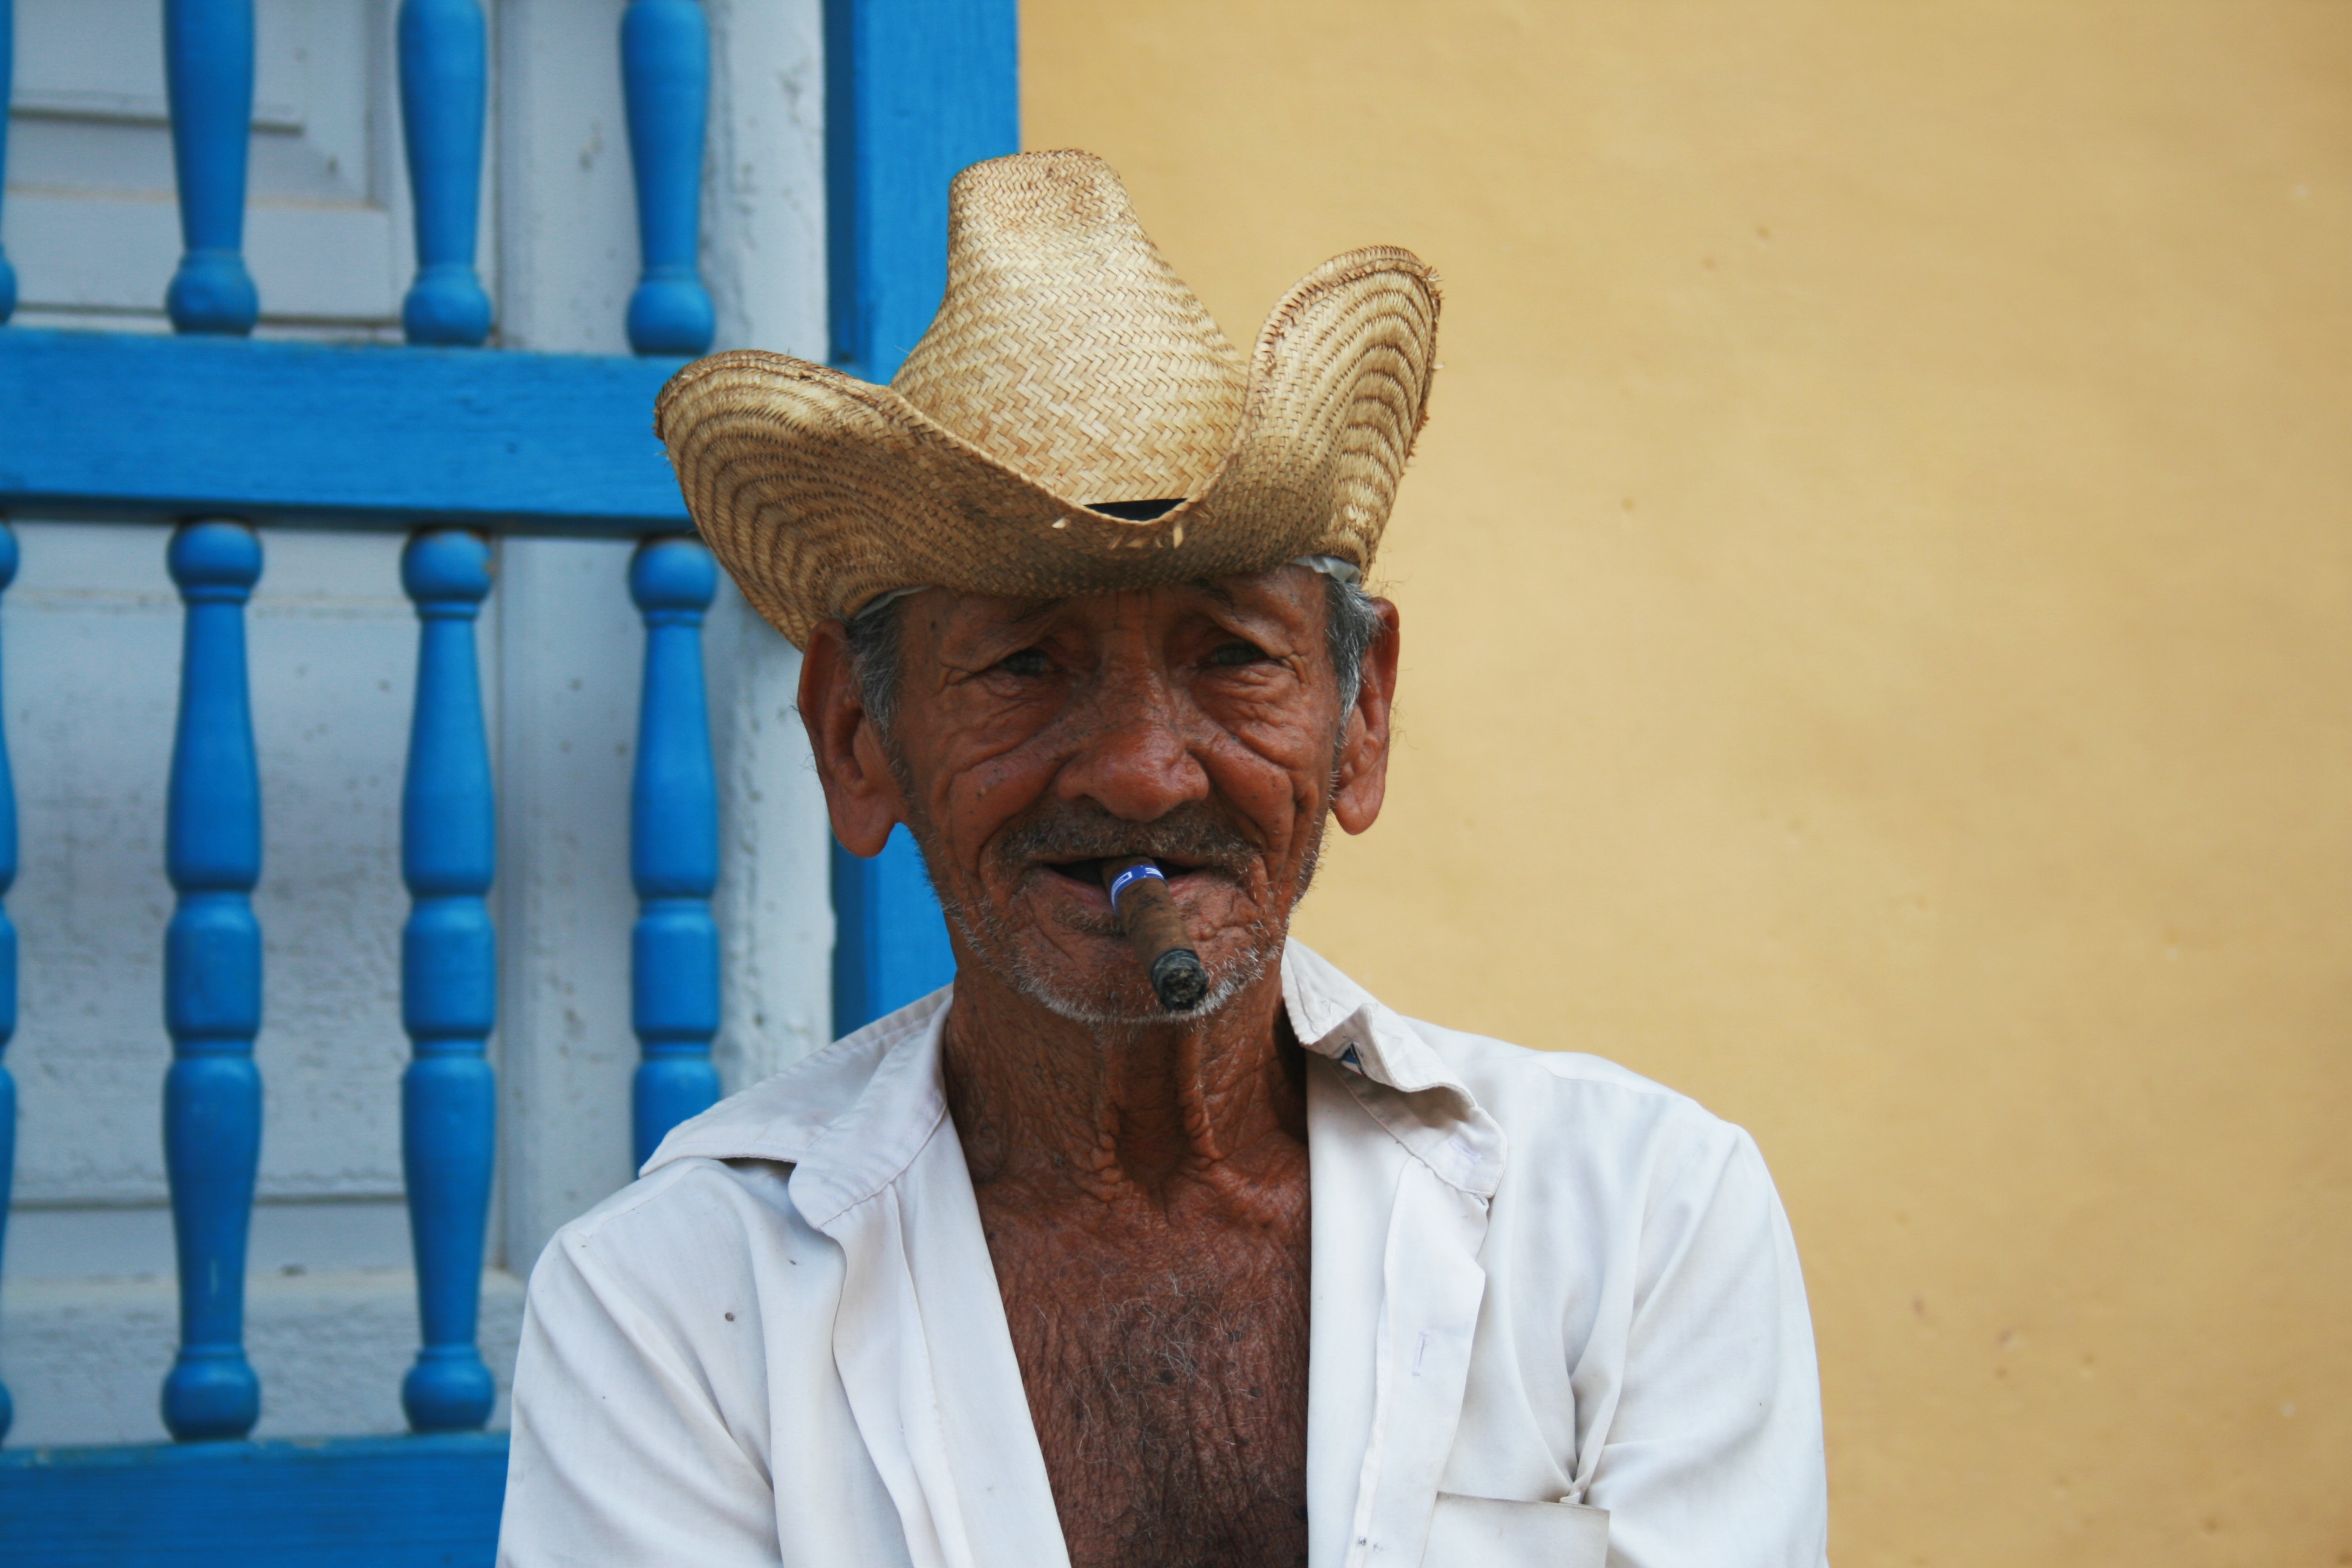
(1362, 776)
(860, 792)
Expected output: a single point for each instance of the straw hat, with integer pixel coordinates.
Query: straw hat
(1068, 369)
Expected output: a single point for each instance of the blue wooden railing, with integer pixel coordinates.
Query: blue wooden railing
(416, 449)
(457, 445)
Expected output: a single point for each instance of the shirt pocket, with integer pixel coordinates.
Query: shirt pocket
(1488, 1532)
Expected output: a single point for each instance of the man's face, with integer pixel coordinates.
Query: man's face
(1198, 723)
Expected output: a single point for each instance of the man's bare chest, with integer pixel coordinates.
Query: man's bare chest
(1168, 1385)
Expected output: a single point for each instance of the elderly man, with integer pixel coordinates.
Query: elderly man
(1038, 1271)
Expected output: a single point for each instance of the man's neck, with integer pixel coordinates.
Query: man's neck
(1144, 1194)
(1121, 1112)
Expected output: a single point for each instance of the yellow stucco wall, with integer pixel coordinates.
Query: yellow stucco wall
(1876, 591)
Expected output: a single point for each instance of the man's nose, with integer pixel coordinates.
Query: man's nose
(1130, 757)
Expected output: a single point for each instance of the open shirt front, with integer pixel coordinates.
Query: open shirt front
(1555, 1313)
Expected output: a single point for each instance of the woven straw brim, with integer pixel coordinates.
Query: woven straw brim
(819, 492)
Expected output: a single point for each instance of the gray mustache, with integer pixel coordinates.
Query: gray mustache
(1190, 833)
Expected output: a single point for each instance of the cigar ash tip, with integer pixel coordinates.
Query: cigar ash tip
(1178, 980)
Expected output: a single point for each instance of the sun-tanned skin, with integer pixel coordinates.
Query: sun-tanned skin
(1142, 1179)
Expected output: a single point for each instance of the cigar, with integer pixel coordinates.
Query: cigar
(1155, 928)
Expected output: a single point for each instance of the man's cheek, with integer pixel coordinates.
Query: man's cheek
(1266, 790)
(977, 794)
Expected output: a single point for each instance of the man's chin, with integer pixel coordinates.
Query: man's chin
(1091, 976)
(1124, 1005)
(1113, 993)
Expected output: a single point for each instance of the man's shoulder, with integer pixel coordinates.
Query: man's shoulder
(1503, 1062)
(782, 1116)
(724, 1177)
(1577, 1106)
(1565, 1109)
(682, 1206)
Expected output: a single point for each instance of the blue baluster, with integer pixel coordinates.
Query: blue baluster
(443, 68)
(666, 73)
(208, 71)
(212, 983)
(7, 928)
(673, 847)
(448, 981)
(7, 309)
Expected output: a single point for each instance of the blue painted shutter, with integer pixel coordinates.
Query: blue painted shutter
(915, 90)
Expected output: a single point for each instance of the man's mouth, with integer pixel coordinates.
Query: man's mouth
(1192, 845)
(1089, 872)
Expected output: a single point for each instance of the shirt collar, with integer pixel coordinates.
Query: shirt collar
(854, 1115)
(1399, 1076)
(851, 1117)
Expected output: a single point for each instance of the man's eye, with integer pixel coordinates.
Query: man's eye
(1028, 661)
(1236, 652)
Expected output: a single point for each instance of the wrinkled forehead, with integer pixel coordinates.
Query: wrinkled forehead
(1336, 568)
(1287, 596)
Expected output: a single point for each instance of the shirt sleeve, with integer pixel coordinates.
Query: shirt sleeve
(1713, 1455)
(621, 1453)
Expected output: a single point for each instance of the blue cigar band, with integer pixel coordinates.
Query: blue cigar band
(1118, 883)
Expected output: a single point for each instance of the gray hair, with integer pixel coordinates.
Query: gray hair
(1352, 621)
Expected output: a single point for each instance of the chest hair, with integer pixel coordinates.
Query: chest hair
(1166, 1370)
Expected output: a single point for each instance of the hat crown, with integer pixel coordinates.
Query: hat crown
(1066, 348)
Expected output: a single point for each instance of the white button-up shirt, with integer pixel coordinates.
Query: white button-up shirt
(1556, 1313)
